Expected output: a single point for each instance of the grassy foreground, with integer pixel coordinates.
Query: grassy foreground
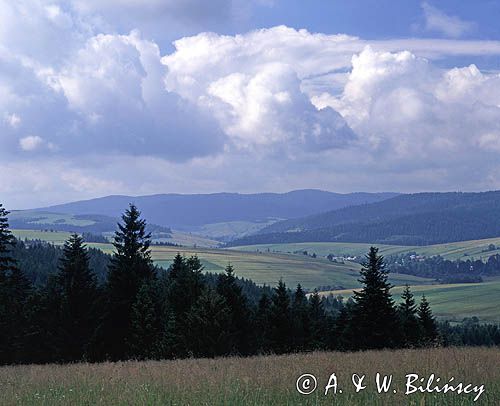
(269, 380)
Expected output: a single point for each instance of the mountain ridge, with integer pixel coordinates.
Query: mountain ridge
(414, 219)
(192, 210)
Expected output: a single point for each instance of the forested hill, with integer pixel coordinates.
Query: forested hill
(176, 210)
(414, 219)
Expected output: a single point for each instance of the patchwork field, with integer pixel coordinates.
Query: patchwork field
(477, 249)
(46, 219)
(53, 237)
(455, 301)
(448, 301)
(269, 268)
(263, 380)
(262, 268)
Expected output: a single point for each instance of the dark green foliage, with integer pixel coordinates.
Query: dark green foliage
(184, 287)
(470, 332)
(374, 318)
(209, 323)
(300, 319)
(39, 260)
(412, 219)
(130, 268)
(144, 332)
(317, 334)
(443, 270)
(410, 327)
(281, 320)
(7, 241)
(76, 289)
(262, 332)
(239, 328)
(144, 312)
(427, 322)
(15, 289)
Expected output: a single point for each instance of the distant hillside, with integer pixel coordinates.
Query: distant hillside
(415, 219)
(185, 211)
(79, 223)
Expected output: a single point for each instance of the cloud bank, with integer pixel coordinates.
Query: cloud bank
(88, 110)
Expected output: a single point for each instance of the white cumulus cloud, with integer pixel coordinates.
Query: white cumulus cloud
(31, 142)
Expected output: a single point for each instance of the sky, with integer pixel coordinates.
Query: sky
(101, 97)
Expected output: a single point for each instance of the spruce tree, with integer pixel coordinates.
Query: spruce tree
(15, 290)
(317, 323)
(407, 311)
(236, 301)
(7, 241)
(130, 268)
(280, 320)
(76, 287)
(209, 323)
(185, 286)
(300, 319)
(263, 325)
(375, 319)
(429, 331)
(143, 341)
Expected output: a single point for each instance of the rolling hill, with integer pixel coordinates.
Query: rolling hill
(462, 250)
(414, 219)
(187, 212)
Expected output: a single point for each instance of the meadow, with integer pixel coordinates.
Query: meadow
(261, 267)
(268, 268)
(271, 262)
(477, 249)
(262, 380)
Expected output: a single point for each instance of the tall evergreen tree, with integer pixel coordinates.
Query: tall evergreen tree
(407, 311)
(300, 319)
(143, 341)
(131, 267)
(185, 284)
(375, 319)
(280, 319)
(76, 287)
(262, 336)
(316, 339)
(7, 241)
(427, 322)
(15, 289)
(209, 322)
(185, 287)
(236, 301)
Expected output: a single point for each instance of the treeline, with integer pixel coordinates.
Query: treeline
(39, 260)
(415, 219)
(142, 312)
(444, 270)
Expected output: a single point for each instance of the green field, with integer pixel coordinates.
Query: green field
(448, 301)
(54, 237)
(456, 250)
(232, 228)
(262, 380)
(455, 301)
(269, 268)
(45, 219)
(262, 268)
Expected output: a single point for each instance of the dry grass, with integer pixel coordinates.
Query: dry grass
(266, 380)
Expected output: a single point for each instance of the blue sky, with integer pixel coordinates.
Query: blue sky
(380, 18)
(105, 97)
